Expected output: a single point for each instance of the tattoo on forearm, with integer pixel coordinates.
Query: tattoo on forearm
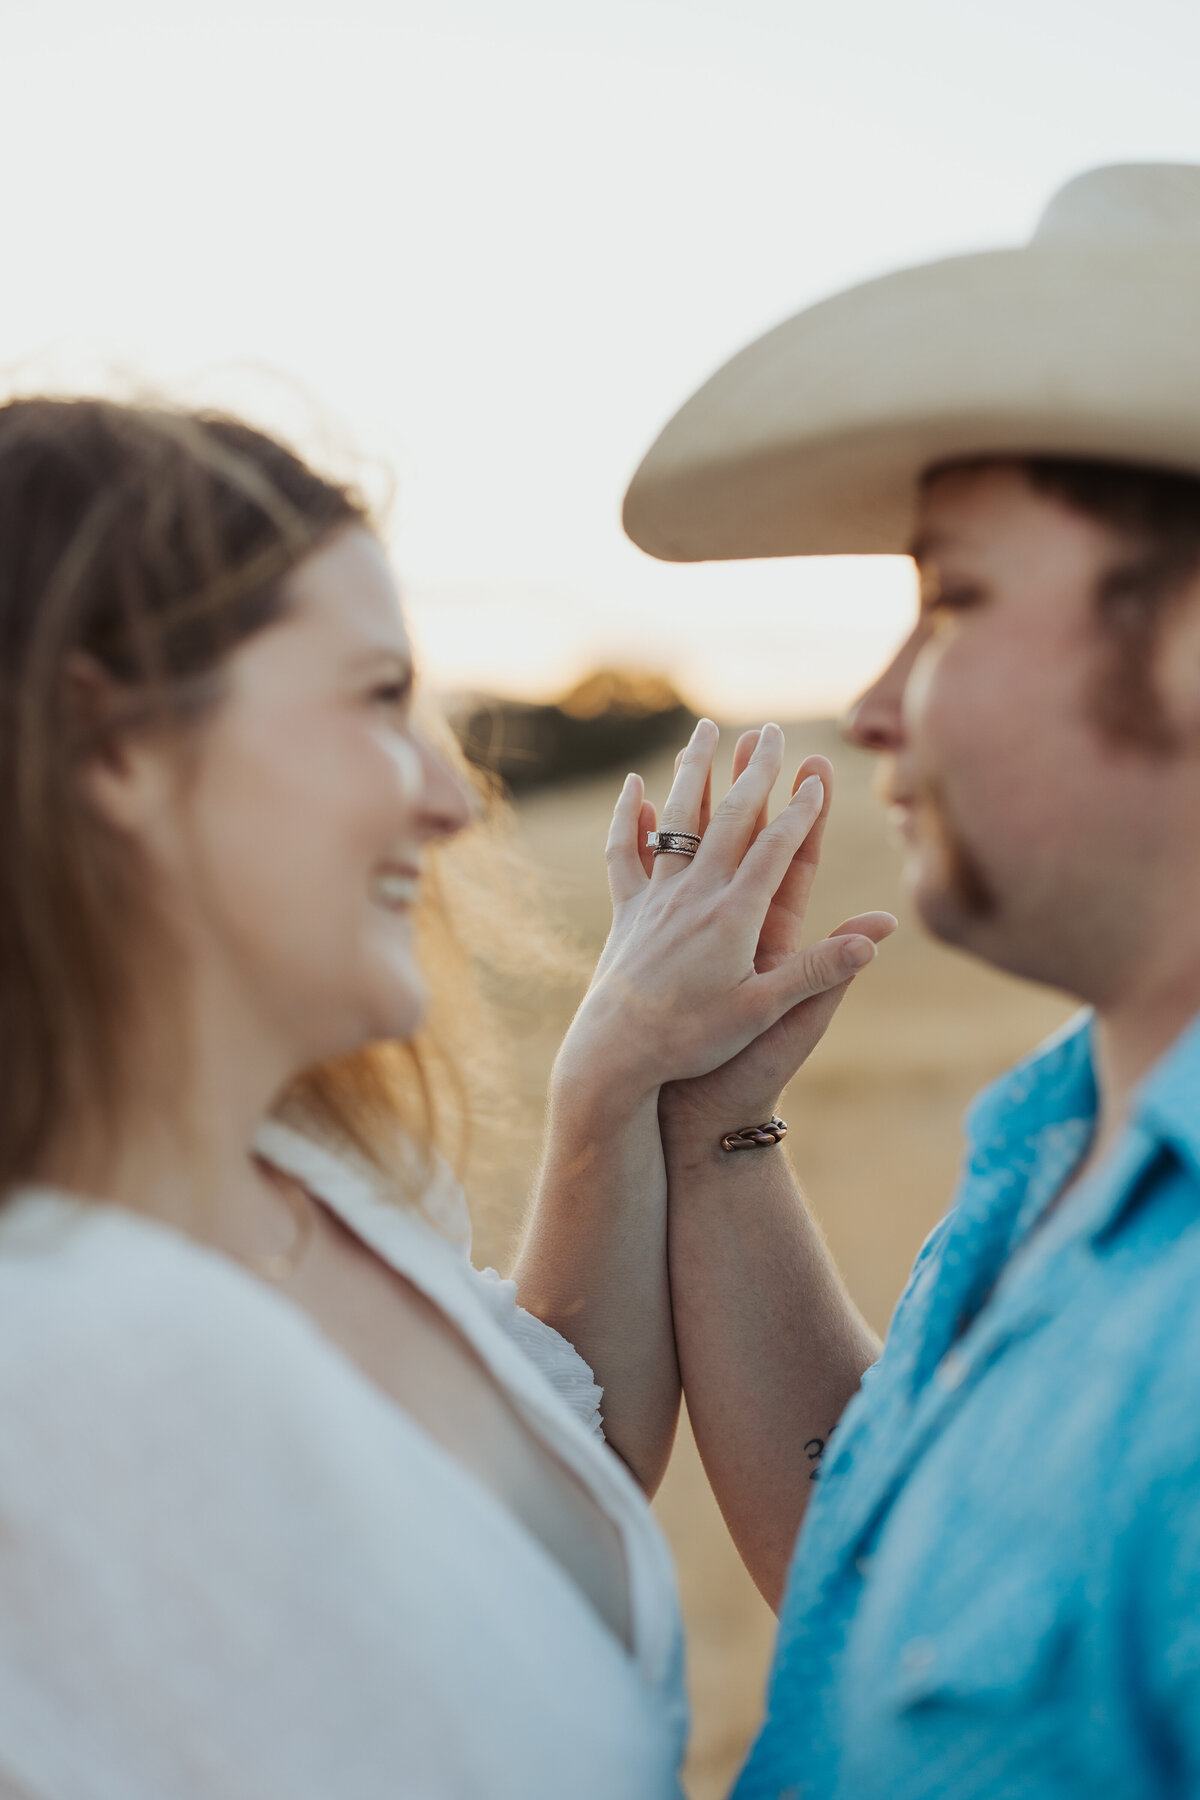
(814, 1449)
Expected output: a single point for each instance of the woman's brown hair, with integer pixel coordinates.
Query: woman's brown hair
(146, 544)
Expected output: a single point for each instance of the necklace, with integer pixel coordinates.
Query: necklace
(280, 1266)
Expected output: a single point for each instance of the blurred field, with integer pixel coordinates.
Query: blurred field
(875, 1133)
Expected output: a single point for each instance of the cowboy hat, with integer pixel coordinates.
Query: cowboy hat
(812, 440)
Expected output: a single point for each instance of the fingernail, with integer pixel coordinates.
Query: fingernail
(811, 791)
(858, 952)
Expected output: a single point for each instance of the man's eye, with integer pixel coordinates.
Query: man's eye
(952, 599)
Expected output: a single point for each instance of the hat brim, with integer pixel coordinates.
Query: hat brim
(812, 441)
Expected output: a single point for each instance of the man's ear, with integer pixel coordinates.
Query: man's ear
(118, 768)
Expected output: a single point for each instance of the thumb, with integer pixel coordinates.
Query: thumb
(822, 967)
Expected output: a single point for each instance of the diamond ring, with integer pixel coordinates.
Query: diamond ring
(673, 843)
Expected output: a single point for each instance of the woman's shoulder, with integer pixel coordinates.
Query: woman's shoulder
(104, 1311)
(133, 1360)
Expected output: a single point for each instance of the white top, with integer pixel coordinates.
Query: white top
(232, 1569)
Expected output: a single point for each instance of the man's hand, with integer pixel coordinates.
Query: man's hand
(746, 1089)
(704, 962)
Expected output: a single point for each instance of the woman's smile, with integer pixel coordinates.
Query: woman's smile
(396, 886)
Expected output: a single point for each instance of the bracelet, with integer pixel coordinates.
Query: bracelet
(755, 1137)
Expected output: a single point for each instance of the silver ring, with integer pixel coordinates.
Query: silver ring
(673, 843)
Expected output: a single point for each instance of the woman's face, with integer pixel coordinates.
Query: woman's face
(289, 846)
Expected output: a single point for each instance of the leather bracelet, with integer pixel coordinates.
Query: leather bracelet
(755, 1137)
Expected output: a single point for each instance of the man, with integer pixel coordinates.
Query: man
(997, 1587)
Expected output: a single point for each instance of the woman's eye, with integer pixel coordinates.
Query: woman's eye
(393, 694)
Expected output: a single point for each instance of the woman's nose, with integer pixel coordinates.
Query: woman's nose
(448, 804)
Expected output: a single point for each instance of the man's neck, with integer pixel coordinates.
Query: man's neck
(1132, 1034)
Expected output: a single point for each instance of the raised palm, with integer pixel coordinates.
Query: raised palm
(746, 1089)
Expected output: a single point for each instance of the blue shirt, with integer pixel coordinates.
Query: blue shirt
(996, 1591)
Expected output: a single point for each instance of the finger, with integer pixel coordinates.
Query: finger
(817, 1010)
(822, 969)
(626, 874)
(705, 818)
(646, 824)
(686, 798)
(770, 857)
(783, 926)
(743, 750)
(797, 885)
(735, 820)
(705, 799)
(875, 925)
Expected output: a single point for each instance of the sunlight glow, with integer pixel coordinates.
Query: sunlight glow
(500, 245)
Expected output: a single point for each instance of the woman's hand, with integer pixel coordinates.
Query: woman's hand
(746, 1089)
(704, 960)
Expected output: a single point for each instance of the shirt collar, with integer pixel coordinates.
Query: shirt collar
(1050, 1099)
(1167, 1104)
(1052, 1086)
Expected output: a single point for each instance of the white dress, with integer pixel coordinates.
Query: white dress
(232, 1569)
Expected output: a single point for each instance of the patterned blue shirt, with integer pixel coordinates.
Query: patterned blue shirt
(996, 1591)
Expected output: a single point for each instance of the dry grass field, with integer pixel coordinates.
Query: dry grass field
(875, 1134)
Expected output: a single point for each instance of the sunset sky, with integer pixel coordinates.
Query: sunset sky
(491, 246)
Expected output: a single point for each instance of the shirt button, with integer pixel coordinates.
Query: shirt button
(918, 1656)
(952, 1370)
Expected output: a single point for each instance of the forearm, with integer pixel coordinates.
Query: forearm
(593, 1261)
(770, 1345)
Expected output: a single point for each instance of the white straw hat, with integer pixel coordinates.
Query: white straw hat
(1085, 342)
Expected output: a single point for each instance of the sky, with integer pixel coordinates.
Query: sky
(478, 251)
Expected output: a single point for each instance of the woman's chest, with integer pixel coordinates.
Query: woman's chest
(408, 1348)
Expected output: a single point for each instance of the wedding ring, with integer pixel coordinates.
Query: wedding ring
(673, 843)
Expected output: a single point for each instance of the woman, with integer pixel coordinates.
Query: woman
(292, 1500)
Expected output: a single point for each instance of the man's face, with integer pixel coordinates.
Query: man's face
(1029, 837)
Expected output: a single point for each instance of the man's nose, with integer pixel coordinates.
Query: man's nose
(875, 721)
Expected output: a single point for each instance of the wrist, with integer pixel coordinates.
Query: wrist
(693, 1134)
(687, 1114)
(599, 1088)
(597, 1063)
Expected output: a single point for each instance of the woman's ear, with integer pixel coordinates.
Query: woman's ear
(121, 769)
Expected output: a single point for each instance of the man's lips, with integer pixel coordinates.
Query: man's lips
(902, 808)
